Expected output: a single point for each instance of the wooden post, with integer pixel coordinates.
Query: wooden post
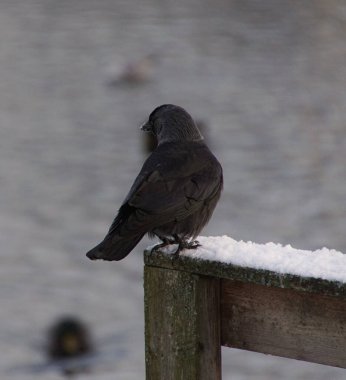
(284, 322)
(190, 303)
(182, 325)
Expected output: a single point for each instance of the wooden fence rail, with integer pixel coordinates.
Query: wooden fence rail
(193, 307)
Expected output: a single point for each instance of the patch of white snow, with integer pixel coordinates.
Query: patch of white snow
(324, 263)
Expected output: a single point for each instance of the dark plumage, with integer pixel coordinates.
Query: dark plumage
(68, 337)
(175, 193)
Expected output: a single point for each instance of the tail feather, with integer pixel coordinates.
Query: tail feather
(114, 247)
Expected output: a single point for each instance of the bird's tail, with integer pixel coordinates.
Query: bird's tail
(114, 247)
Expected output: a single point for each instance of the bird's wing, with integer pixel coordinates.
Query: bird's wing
(170, 187)
(176, 186)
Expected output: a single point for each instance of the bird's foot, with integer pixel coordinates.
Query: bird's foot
(184, 244)
(165, 242)
(189, 244)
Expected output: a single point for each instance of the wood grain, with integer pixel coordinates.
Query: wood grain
(182, 325)
(283, 322)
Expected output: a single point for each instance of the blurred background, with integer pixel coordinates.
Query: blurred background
(267, 80)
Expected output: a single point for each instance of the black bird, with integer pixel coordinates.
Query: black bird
(175, 193)
(68, 337)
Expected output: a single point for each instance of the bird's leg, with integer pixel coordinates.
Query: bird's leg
(165, 242)
(184, 244)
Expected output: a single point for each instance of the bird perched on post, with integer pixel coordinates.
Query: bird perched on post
(175, 193)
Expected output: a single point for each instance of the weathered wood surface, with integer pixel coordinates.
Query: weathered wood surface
(182, 325)
(251, 275)
(256, 310)
(284, 322)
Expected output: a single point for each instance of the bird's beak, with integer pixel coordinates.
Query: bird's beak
(146, 127)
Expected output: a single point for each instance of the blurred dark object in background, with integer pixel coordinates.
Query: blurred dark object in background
(133, 72)
(68, 337)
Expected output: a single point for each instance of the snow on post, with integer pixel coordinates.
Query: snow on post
(327, 264)
(266, 298)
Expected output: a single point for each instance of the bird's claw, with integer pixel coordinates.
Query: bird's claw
(164, 243)
(191, 245)
(186, 245)
(157, 247)
(182, 244)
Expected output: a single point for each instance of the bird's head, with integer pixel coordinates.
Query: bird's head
(172, 123)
